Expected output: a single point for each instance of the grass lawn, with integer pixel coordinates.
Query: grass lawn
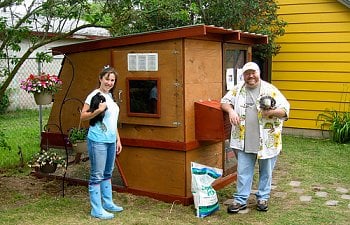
(319, 165)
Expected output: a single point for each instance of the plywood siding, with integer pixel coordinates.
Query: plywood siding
(203, 77)
(313, 67)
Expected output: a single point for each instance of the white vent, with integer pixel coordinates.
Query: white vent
(143, 62)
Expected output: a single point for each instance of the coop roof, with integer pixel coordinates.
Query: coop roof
(207, 32)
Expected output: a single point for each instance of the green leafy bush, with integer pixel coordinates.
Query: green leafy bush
(338, 123)
(4, 102)
(77, 134)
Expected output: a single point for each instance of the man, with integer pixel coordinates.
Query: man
(256, 111)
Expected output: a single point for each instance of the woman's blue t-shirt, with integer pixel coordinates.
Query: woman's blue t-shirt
(104, 131)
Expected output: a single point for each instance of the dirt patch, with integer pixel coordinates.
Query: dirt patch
(28, 188)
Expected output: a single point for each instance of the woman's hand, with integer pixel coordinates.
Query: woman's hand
(119, 147)
(102, 107)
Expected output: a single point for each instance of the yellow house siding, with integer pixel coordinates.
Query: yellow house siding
(313, 67)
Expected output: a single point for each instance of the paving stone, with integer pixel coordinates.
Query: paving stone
(347, 197)
(332, 203)
(342, 190)
(228, 201)
(318, 187)
(305, 198)
(253, 191)
(298, 190)
(245, 211)
(280, 194)
(273, 187)
(295, 183)
(321, 194)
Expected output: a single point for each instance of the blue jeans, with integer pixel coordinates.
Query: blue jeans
(245, 170)
(102, 157)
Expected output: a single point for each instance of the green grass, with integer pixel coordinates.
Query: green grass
(22, 130)
(315, 163)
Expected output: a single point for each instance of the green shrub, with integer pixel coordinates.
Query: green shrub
(5, 101)
(338, 123)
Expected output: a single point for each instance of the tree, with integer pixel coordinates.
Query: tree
(256, 16)
(131, 16)
(44, 17)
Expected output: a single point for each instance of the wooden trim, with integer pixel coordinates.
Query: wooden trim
(155, 115)
(195, 31)
(185, 200)
(224, 181)
(50, 139)
(168, 145)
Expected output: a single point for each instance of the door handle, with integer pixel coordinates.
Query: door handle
(120, 95)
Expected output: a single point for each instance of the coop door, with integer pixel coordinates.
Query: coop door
(235, 56)
(147, 89)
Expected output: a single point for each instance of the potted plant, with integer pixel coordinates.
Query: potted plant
(43, 86)
(46, 161)
(77, 137)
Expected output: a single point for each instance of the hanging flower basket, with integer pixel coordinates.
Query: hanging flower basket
(42, 86)
(44, 98)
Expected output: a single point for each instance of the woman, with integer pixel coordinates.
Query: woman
(103, 144)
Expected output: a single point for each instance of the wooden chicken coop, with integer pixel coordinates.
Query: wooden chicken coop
(187, 70)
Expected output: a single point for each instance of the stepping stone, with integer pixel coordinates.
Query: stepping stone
(253, 191)
(317, 188)
(273, 187)
(228, 202)
(295, 183)
(245, 211)
(347, 197)
(321, 194)
(342, 190)
(349, 206)
(305, 198)
(280, 194)
(332, 203)
(298, 190)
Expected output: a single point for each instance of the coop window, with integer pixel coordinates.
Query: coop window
(143, 97)
(143, 62)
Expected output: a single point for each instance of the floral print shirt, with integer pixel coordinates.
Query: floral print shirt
(270, 130)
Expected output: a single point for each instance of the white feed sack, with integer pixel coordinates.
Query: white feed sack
(204, 195)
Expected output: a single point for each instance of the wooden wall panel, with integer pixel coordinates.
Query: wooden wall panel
(313, 67)
(311, 7)
(301, 124)
(313, 56)
(210, 155)
(87, 66)
(163, 128)
(154, 170)
(314, 37)
(317, 95)
(315, 47)
(317, 76)
(202, 78)
(312, 86)
(300, 18)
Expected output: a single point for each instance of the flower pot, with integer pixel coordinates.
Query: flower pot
(48, 168)
(80, 147)
(43, 98)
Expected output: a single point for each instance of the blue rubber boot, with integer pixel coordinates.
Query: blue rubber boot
(96, 203)
(106, 190)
